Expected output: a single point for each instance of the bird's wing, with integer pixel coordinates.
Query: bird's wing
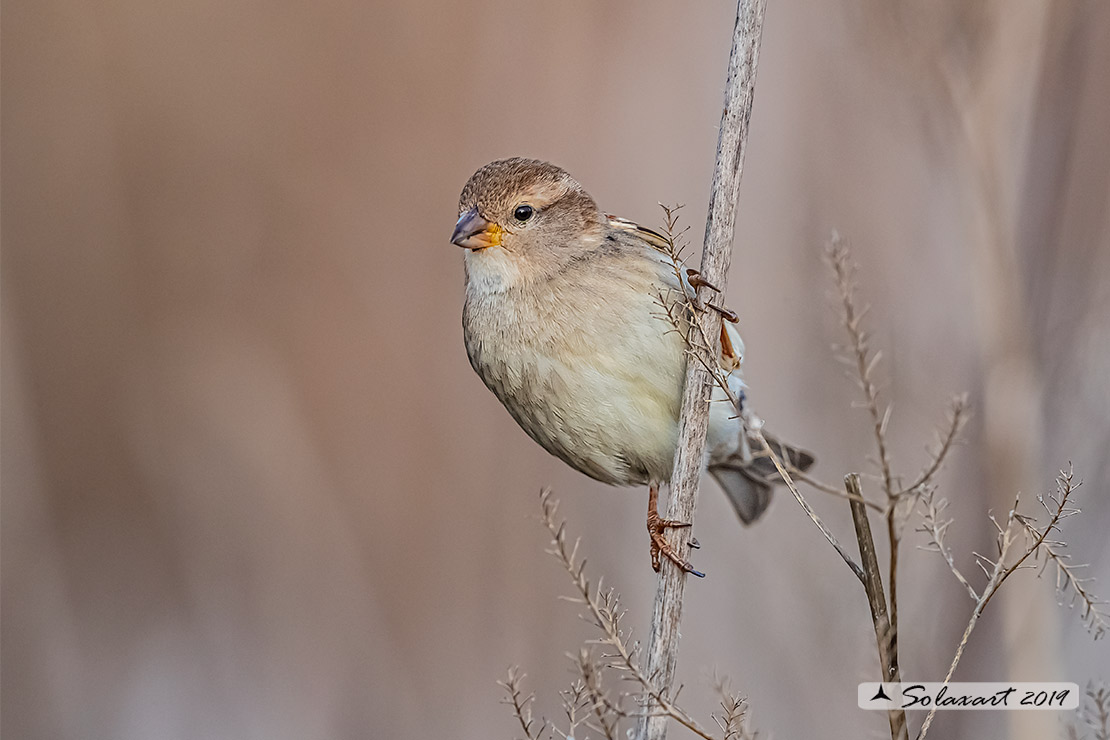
(732, 346)
(654, 238)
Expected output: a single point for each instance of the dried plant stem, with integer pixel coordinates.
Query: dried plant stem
(894, 535)
(606, 614)
(999, 572)
(936, 527)
(693, 425)
(852, 318)
(1097, 621)
(1096, 711)
(823, 487)
(521, 704)
(732, 719)
(865, 362)
(696, 339)
(607, 714)
(957, 417)
(873, 585)
(757, 435)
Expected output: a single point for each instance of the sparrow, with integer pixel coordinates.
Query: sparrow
(563, 321)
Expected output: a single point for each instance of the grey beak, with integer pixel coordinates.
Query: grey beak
(474, 232)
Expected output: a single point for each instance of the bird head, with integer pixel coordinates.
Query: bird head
(532, 210)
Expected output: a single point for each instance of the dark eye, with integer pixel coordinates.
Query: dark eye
(523, 213)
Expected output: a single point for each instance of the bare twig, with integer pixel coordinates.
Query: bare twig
(757, 435)
(605, 612)
(934, 525)
(839, 258)
(999, 571)
(577, 705)
(1095, 712)
(818, 485)
(1067, 578)
(957, 417)
(873, 585)
(693, 425)
(1066, 485)
(607, 713)
(521, 704)
(733, 717)
(678, 312)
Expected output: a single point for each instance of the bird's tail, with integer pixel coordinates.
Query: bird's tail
(748, 483)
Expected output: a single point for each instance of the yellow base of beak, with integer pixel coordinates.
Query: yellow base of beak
(474, 232)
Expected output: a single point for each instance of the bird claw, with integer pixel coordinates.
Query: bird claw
(659, 546)
(697, 281)
(726, 313)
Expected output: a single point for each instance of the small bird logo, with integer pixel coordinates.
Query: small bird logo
(881, 694)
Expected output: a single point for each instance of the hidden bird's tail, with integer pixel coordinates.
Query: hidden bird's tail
(748, 483)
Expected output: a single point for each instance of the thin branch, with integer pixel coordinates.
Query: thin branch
(873, 585)
(957, 418)
(840, 260)
(934, 525)
(694, 421)
(1095, 712)
(521, 704)
(757, 435)
(733, 717)
(812, 482)
(607, 713)
(604, 609)
(577, 703)
(999, 571)
(675, 312)
(1094, 617)
(1066, 486)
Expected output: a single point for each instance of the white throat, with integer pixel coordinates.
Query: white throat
(490, 271)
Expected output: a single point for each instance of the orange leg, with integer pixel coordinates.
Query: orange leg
(659, 545)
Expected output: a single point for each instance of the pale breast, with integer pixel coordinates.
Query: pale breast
(586, 366)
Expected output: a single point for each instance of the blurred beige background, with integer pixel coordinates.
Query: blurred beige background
(252, 488)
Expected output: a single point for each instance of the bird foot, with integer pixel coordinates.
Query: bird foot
(659, 546)
(697, 281)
